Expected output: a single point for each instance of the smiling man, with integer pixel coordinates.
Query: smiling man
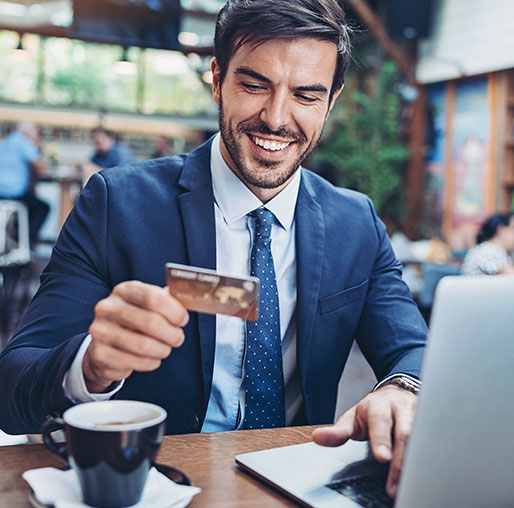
(103, 326)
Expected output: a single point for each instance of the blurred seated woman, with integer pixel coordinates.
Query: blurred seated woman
(492, 254)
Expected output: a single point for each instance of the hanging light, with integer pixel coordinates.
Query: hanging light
(19, 54)
(124, 66)
(188, 39)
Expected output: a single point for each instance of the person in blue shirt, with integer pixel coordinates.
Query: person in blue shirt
(109, 151)
(20, 160)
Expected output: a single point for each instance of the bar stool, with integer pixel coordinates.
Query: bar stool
(14, 259)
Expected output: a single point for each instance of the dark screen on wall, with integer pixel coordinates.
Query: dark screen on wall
(143, 23)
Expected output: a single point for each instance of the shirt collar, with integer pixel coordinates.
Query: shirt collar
(235, 199)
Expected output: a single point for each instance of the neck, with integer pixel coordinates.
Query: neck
(496, 241)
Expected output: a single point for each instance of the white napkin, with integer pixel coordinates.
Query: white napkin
(61, 489)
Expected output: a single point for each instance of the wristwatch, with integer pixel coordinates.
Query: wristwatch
(408, 383)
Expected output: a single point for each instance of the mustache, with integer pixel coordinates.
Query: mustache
(262, 128)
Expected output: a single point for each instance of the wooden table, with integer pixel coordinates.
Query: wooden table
(208, 460)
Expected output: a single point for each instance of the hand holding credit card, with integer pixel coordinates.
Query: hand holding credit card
(203, 290)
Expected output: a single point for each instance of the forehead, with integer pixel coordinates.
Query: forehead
(298, 61)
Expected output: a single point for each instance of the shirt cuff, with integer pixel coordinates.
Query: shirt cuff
(384, 381)
(74, 384)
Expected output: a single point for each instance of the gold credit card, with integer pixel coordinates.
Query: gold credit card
(203, 290)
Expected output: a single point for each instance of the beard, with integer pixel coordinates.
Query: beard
(276, 176)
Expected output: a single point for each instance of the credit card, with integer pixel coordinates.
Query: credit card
(203, 290)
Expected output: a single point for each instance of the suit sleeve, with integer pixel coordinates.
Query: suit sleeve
(33, 364)
(391, 331)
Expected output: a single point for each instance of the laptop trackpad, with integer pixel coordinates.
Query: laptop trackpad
(320, 476)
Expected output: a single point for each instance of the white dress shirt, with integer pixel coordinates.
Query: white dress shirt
(234, 238)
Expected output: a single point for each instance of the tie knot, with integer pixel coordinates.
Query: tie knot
(263, 222)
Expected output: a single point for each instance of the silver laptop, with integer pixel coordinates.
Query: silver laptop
(461, 451)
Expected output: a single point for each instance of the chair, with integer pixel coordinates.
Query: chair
(14, 259)
(432, 274)
(14, 233)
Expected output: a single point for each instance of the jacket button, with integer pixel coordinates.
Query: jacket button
(194, 423)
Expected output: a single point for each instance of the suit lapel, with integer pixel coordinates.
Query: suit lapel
(197, 207)
(310, 244)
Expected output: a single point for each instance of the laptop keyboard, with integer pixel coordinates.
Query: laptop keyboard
(368, 491)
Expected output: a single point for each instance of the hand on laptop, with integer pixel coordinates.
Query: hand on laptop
(134, 329)
(385, 417)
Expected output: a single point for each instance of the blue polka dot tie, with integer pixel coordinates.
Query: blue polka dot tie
(264, 406)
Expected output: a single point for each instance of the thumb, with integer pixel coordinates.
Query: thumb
(337, 434)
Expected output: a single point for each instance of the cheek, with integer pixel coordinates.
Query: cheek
(311, 119)
(311, 126)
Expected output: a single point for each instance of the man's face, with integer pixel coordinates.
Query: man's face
(508, 236)
(273, 104)
(102, 141)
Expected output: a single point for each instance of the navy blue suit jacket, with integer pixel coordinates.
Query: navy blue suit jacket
(129, 221)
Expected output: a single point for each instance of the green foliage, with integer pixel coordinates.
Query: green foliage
(362, 147)
(79, 84)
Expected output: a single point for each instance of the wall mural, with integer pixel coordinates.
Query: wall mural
(471, 140)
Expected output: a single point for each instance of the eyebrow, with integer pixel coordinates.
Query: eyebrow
(312, 88)
(246, 71)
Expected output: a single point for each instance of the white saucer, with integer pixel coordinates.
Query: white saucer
(34, 502)
(169, 471)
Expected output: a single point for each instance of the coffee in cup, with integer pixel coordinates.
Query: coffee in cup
(111, 445)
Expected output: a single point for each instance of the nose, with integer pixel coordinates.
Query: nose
(276, 112)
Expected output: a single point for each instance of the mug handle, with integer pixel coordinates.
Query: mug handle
(51, 424)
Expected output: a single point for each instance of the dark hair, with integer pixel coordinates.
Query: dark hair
(259, 21)
(103, 130)
(489, 228)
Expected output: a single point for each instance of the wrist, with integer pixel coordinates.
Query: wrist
(94, 384)
(401, 381)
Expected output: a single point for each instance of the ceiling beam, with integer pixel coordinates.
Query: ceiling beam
(62, 31)
(377, 28)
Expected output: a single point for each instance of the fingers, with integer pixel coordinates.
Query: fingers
(134, 329)
(130, 340)
(113, 365)
(380, 424)
(385, 417)
(338, 433)
(391, 415)
(154, 298)
(403, 422)
(131, 318)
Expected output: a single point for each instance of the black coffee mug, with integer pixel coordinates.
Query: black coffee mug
(111, 445)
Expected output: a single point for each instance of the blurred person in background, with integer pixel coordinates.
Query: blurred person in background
(495, 243)
(162, 147)
(109, 152)
(20, 161)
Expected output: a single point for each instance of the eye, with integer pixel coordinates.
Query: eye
(252, 87)
(309, 99)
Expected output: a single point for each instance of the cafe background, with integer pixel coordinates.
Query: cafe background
(425, 125)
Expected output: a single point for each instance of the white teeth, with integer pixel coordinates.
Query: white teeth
(270, 145)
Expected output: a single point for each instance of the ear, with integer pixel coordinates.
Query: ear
(501, 229)
(216, 81)
(334, 97)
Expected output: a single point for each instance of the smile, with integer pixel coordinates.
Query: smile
(272, 146)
